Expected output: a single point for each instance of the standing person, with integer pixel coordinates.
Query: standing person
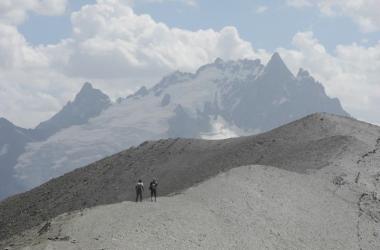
(139, 189)
(153, 189)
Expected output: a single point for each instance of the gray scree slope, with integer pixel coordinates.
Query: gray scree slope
(249, 207)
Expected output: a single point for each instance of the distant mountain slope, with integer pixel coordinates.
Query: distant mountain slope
(222, 99)
(88, 103)
(12, 142)
(309, 144)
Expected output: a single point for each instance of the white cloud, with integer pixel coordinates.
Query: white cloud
(365, 13)
(15, 52)
(261, 9)
(16, 11)
(26, 80)
(130, 44)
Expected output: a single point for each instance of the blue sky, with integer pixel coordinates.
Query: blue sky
(39, 29)
(273, 28)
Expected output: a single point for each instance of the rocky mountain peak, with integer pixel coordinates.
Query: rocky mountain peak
(88, 103)
(87, 86)
(302, 74)
(88, 94)
(276, 66)
(218, 60)
(4, 123)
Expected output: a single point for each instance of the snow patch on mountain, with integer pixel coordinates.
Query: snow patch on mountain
(118, 127)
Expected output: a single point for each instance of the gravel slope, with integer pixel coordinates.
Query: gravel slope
(250, 207)
(326, 145)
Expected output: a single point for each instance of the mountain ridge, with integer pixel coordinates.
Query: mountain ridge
(308, 144)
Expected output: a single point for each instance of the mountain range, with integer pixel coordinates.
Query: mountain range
(220, 100)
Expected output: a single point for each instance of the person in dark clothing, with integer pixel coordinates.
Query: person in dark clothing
(153, 189)
(139, 190)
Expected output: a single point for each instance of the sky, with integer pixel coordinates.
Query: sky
(49, 48)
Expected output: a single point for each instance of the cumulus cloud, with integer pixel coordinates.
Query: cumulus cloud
(112, 34)
(26, 80)
(365, 13)
(15, 52)
(16, 11)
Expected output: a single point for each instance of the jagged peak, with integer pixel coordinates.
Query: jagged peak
(275, 60)
(241, 62)
(4, 121)
(141, 92)
(88, 90)
(176, 75)
(87, 87)
(277, 65)
(173, 78)
(276, 56)
(218, 60)
(179, 73)
(234, 65)
(302, 73)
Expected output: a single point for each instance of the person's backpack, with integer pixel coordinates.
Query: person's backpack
(139, 186)
(153, 185)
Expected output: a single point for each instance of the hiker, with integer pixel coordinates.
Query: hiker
(153, 189)
(139, 189)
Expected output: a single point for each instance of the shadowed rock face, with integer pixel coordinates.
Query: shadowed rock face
(309, 143)
(275, 97)
(12, 142)
(88, 103)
